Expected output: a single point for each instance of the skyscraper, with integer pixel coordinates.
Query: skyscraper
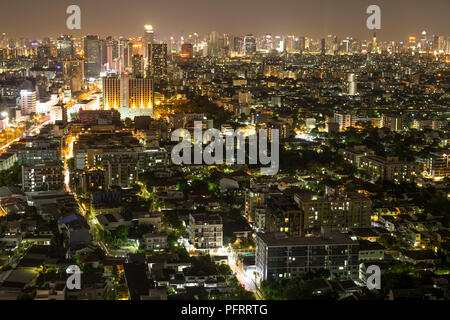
(147, 39)
(250, 44)
(73, 74)
(157, 59)
(64, 47)
(92, 58)
(138, 66)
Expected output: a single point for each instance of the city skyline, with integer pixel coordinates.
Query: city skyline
(173, 18)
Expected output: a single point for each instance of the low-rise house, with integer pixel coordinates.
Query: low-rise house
(419, 256)
(154, 241)
(370, 251)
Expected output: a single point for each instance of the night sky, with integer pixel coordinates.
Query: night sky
(315, 18)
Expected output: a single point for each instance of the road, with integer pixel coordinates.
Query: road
(30, 132)
(246, 279)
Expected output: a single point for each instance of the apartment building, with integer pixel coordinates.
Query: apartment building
(42, 177)
(279, 256)
(339, 212)
(205, 231)
(389, 168)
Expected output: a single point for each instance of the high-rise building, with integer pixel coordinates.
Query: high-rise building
(73, 74)
(148, 38)
(157, 65)
(138, 66)
(111, 93)
(187, 50)
(130, 96)
(250, 44)
(140, 93)
(27, 101)
(92, 57)
(64, 47)
(352, 86)
(213, 44)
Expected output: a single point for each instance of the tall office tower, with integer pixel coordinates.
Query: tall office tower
(345, 120)
(250, 44)
(103, 55)
(374, 43)
(27, 101)
(290, 44)
(3, 41)
(112, 53)
(64, 47)
(92, 57)
(3, 54)
(352, 86)
(213, 44)
(447, 46)
(128, 55)
(237, 45)
(111, 93)
(323, 48)
(438, 44)
(187, 50)
(302, 44)
(424, 41)
(73, 74)
(44, 53)
(147, 39)
(268, 42)
(157, 59)
(278, 43)
(138, 66)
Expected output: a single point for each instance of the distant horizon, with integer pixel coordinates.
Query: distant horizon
(313, 19)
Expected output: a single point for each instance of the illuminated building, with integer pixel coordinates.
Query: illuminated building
(393, 123)
(351, 84)
(157, 59)
(73, 73)
(389, 168)
(42, 177)
(345, 120)
(438, 164)
(148, 38)
(130, 96)
(279, 256)
(140, 93)
(250, 44)
(27, 102)
(138, 66)
(92, 57)
(187, 50)
(205, 231)
(111, 93)
(64, 47)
